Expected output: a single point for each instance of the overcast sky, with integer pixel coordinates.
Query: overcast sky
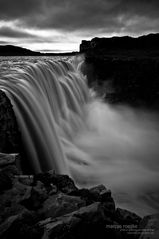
(60, 25)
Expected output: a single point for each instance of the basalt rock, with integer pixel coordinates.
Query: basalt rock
(9, 132)
(49, 205)
(23, 225)
(60, 204)
(63, 182)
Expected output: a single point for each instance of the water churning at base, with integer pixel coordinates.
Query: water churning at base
(68, 129)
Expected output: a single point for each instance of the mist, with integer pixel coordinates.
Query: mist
(119, 147)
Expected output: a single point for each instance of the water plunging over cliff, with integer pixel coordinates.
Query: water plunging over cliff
(67, 128)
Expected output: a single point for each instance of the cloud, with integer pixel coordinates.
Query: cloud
(10, 9)
(104, 16)
(14, 33)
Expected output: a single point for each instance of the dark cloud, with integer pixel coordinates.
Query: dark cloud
(10, 9)
(13, 33)
(3, 42)
(84, 15)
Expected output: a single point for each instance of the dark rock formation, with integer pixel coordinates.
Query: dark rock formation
(150, 227)
(51, 206)
(123, 69)
(9, 133)
(120, 44)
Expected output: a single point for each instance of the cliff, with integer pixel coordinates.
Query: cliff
(122, 45)
(124, 69)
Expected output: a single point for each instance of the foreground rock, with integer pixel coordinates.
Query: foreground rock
(49, 205)
(150, 227)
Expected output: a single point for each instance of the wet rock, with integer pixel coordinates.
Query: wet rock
(22, 225)
(9, 132)
(7, 177)
(60, 204)
(150, 227)
(86, 195)
(5, 182)
(96, 194)
(87, 222)
(10, 200)
(6, 159)
(125, 217)
(63, 182)
(26, 179)
(11, 171)
(74, 224)
(35, 197)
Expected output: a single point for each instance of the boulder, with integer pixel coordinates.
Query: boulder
(87, 222)
(63, 182)
(26, 179)
(60, 204)
(6, 159)
(10, 200)
(7, 175)
(76, 224)
(22, 225)
(125, 217)
(35, 197)
(96, 194)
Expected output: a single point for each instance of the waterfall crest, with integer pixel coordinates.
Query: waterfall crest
(48, 100)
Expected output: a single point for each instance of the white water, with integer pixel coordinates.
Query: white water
(65, 128)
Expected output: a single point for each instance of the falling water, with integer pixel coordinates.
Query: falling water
(67, 128)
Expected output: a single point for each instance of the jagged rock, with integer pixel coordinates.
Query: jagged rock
(7, 176)
(87, 222)
(22, 225)
(11, 171)
(6, 159)
(60, 204)
(126, 217)
(35, 197)
(96, 194)
(26, 179)
(5, 182)
(10, 200)
(86, 195)
(150, 227)
(9, 133)
(63, 182)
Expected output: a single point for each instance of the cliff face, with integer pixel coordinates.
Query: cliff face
(120, 44)
(126, 69)
(9, 132)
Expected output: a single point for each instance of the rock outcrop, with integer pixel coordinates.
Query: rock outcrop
(49, 205)
(124, 69)
(9, 132)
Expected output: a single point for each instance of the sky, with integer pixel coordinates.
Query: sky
(60, 25)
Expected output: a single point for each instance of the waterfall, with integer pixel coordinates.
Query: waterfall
(48, 100)
(67, 128)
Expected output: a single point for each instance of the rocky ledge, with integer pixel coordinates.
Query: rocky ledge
(49, 205)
